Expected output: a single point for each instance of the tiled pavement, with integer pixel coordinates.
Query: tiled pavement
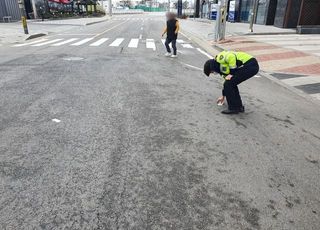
(293, 64)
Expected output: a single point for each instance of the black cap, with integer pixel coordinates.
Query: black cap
(208, 67)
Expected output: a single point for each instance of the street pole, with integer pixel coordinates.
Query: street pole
(220, 27)
(34, 8)
(253, 15)
(23, 16)
(110, 7)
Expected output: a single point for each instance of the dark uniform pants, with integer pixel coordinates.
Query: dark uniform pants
(230, 89)
(173, 42)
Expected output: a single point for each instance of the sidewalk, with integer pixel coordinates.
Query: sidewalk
(13, 32)
(291, 58)
(72, 21)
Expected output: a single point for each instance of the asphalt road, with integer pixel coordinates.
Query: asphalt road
(101, 137)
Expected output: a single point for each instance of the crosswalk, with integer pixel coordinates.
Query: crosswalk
(149, 43)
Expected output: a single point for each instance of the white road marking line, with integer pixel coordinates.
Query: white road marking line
(164, 41)
(82, 42)
(48, 42)
(185, 36)
(257, 76)
(140, 37)
(316, 95)
(180, 41)
(117, 42)
(191, 66)
(141, 28)
(99, 42)
(56, 120)
(205, 53)
(150, 44)
(301, 80)
(65, 42)
(30, 43)
(188, 46)
(133, 43)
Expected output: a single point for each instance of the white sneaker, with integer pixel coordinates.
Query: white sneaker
(174, 56)
(167, 54)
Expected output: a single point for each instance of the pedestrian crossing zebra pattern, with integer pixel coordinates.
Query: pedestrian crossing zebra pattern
(149, 43)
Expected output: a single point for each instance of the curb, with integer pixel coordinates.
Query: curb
(33, 36)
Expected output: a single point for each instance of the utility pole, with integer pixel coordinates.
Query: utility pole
(220, 28)
(110, 7)
(23, 16)
(253, 15)
(34, 8)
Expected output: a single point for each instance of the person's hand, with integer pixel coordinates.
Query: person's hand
(220, 100)
(228, 77)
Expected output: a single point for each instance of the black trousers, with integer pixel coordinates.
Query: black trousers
(173, 42)
(230, 89)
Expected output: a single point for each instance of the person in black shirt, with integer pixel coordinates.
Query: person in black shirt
(171, 30)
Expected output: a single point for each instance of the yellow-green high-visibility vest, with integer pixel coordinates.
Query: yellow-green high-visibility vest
(230, 60)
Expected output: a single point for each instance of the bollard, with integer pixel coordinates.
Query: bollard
(23, 17)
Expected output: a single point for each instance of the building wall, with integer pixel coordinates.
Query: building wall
(280, 13)
(310, 12)
(3, 9)
(12, 9)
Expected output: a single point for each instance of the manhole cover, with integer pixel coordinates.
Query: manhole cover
(73, 58)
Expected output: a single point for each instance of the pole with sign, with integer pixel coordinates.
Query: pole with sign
(179, 8)
(220, 28)
(23, 16)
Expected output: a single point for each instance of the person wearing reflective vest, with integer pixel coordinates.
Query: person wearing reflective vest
(235, 67)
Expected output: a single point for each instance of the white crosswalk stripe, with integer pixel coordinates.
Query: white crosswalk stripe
(188, 46)
(117, 42)
(65, 42)
(30, 43)
(150, 44)
(133, 43)
(99, 42)
(82, 42)
(47, 42)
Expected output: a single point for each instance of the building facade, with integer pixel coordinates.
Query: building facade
(280, 13)
(9, 8)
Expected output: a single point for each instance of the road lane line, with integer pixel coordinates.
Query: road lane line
(48, 42)
(103, 32)
(191, 66)
(82, 42)
(150, 44)
(180, 41)
(30, 43)
(140, 37)
(117, 42)
(65, 42)
(99, 42)
(133, 43)
(205, 53)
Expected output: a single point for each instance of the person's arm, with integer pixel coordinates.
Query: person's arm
(164, 31)
(177, 27)
(231, 59)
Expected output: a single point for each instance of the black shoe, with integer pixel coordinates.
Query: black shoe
(230, 111)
